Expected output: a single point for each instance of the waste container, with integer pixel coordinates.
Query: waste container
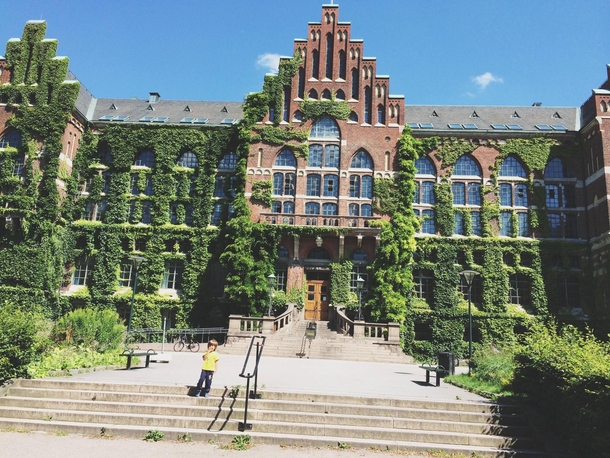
(310, 332)
(447, 360)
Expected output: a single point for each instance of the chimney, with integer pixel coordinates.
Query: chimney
(537, 104)
(154, 97)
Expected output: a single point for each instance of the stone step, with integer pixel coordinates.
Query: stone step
(124, 409)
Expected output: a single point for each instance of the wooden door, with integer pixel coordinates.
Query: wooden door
(317, 300)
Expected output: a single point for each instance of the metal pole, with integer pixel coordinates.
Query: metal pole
(133, 295)
(163, 341)
(469, 330)
(360, 304)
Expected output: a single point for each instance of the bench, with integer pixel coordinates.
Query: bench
(439, 371)
(131, 353)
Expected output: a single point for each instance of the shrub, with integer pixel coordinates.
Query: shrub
(100, 330)
(494, 365)
(21, 341)
(566, 374)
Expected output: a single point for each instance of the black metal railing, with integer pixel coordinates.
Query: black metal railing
(155, 335)
(257, 342)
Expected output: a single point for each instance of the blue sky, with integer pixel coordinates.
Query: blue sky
(450, 52)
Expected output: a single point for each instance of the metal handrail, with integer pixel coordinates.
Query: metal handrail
(260, 344)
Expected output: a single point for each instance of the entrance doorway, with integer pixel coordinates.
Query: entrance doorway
(317, 300)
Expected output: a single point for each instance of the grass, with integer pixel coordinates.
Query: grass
(482, 388)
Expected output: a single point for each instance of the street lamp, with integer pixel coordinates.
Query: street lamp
(359, 286)
(271, 282)
(136, 261)
(469, 279)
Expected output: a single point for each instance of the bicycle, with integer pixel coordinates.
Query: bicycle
(188, 343)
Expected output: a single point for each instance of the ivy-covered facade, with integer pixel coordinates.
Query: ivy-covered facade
(322, 178)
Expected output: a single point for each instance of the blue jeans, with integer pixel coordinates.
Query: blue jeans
(206, 376)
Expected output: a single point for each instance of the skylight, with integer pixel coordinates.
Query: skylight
(559, 127)
(188, 120)
(413, 125)
(106, 117)
(227, 121)
(454, 126)
(470, 126)
(543, 127)
(514, 127)
(120, 118)
(498, 126)
(161, 119)
(147, 119)
(426, 125)
(200, 120)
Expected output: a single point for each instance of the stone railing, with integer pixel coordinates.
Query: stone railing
(245, 326)
(381, 332)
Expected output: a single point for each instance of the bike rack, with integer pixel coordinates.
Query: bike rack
(260, 343)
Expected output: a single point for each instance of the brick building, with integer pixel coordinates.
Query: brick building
(531, 179)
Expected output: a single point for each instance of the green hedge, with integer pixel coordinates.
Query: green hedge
(566, 374)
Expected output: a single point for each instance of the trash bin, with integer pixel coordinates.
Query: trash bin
(310, 332)
(447, 360)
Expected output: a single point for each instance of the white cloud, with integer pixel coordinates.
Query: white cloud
(483, 80)
(269, 61)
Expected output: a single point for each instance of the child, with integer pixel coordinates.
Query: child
(210, 365)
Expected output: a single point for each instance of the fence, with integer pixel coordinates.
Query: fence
(155, 335)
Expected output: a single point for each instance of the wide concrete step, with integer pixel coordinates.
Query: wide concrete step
(138, 432)
(452, 425)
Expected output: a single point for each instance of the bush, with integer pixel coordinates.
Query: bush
(63, 358)
(493, 364)
(566, 374)
(21, 341)
(99, 330)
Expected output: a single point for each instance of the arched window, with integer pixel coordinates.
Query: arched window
(556, 168)
(315, 64)
(11, 138)
(329, 209)
(465, 165)
(340, 95)
(289, 207)
(282, 252)
(362, 160)
(342, 64)
(313, 94)
(424, 166)
(145, 159)
(326, 94)
(228, 161)
(312, 208)
(329, 56)
(189, 160)
(301, 90)
(367, 104)
(380, 114)
(355, 83)
(105, 155)
(285, 159)
(366, 210)
(325, 127)
(511, 167)
(353, 116)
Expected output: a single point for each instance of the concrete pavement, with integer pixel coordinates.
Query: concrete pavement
(349, 378)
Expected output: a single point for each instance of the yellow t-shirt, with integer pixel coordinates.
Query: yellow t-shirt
(209, 364)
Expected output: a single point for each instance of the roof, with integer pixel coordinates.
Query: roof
(166, 112)
(489, 118)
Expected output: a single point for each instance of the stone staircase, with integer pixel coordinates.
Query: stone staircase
(317, 420)
(328, 344)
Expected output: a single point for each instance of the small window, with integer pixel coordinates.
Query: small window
(465, 165)
(424, 166)
(362, 160)
(285, 159)
(189, 160)
(228, 161)
(145, 159)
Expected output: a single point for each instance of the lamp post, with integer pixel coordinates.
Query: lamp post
(136, 261)
(271, 282)
(469, 279)
(359, 286)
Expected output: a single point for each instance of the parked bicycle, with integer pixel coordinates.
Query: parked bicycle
(184, 341)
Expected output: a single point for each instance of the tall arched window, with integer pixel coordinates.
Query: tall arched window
(329, 56)
(355, 85)
(362, 160)
(367, 104)
(340, 95)
(556, 168)
(12, 138)
(285, 159)
(189, 160)
(424, 166)
(466, 166)
(325, 127)
(313, 94)
(326, 94)
(145, 159)
(228, 161)
(301, 90)
(315, 64)
(342, 64)
(511, 167)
